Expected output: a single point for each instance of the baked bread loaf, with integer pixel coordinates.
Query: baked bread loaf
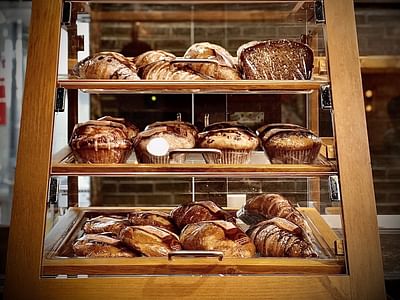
(105, 65)
(98, 245)
(285, 145)
(218, 236)
(154, 218)
(222, 65)
(154, 143)
(102, 142)
(150, 240)
(279, 237)
(266, 206)
(235, 142)
(100, 224)
(275, 60)
(193, 212)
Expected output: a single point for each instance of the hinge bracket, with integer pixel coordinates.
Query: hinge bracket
(53, 191)
(339, 247)
(66, 13)
(334, 188)
(319, 11)
(325, 97)
(60, 100)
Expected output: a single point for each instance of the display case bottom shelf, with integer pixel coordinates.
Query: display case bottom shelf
(60, 260)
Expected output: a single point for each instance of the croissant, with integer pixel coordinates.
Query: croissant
(98, 245)
(222, 65)
(272, 205)
(152, 56)
(280, 237)
(150, 240)
(113, 224)
(217, 235)
(165, 70)
(154, 218)
(105, 65)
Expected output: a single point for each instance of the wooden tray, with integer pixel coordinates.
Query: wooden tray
(59, 259)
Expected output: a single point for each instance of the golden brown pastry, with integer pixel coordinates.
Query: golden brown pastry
(290, 144)
(193, 212)
(224, 66)
(235, 142)
(165, 70)
(218, 236)
(150, 240)
(279, 237)
(100, 224)
(275, 60)
(133, 130)
(105, 65)
(154, 218)
(101, 142)
(154, 143)
(268, 206)
(152, 56)
(97, 245)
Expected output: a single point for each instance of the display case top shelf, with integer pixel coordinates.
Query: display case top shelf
(206, 86)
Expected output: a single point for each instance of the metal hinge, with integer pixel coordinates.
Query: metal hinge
(325, 96)
(53, 191)
(60, 100)
(66, 13)
(319, 11)
(339, 247)
(334, 188)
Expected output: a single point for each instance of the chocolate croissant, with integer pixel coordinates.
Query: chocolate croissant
(280, 237)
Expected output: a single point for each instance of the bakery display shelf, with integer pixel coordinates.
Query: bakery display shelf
(64, 164)
(59, 259)
(201, 86)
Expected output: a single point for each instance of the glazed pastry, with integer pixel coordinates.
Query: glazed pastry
(279, 237)
(154, 218)
(105, 65)
(275, 60)
(218, 236)
(133, 130)
(97, 245)
(101, 142)
(224, 66)
(193, 212)
(100, 224)
(150, 240)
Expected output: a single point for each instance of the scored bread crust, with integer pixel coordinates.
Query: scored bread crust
(276, 60)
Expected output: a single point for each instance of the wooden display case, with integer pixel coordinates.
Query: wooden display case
(32, 271)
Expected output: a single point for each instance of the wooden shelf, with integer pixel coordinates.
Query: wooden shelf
(201, 86)
(63, 165)
(59, 258)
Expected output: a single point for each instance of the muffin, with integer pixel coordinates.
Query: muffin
(154, 143)
(290, 144)
(102, 141)
(235, 141)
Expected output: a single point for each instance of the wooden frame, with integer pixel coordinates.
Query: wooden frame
(23, 278)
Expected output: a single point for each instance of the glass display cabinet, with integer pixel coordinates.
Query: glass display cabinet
(56, 194)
